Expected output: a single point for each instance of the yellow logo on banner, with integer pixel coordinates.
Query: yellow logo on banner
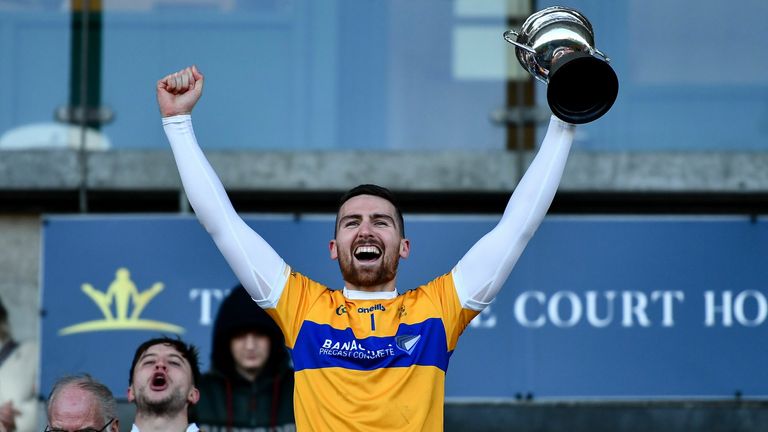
(122, 292)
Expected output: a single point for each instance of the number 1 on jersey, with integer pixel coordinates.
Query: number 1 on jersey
(373, 323)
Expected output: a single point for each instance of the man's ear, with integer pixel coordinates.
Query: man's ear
(194, 396)
(332, 248)
(405, 248)
(115, 426)
(131, 396)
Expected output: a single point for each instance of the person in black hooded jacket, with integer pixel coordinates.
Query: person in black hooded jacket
(250, 385)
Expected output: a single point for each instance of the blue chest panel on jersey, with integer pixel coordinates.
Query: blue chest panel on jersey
(321, 346)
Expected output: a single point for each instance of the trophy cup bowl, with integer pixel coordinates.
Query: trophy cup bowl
(557, 46)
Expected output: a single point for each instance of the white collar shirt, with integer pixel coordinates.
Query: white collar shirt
(191, 428)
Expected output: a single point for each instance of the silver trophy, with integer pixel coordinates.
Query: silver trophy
(557, 46)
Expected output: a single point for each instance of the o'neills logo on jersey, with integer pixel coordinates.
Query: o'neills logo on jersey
(354, 349)
(378, 307)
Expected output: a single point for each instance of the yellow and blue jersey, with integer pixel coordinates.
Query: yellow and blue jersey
(370, 365)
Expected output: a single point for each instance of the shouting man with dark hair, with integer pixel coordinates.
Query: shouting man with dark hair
(163, 384)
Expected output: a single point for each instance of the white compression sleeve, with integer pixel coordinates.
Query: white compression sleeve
(480, 274)
(260, 269)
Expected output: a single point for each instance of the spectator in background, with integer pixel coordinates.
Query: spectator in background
(18, 377)
(250, 384)
(163, 385)
(80, 403)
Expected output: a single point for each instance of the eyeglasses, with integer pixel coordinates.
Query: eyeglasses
(90, 429)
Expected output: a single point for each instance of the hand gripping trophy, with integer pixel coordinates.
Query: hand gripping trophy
(556, 45)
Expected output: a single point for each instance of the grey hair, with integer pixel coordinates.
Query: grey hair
(100, 392)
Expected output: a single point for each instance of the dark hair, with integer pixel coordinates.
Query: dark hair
(375, 190)
(101, 394)
(188, 351)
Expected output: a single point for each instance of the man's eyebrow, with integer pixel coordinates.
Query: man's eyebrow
(382, 216)
(177, 356)
(173, 355)
(350, 216)
(357, 216)
(147, 354)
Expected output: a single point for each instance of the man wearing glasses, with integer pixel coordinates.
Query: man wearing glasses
(79, 403)
(163, 385)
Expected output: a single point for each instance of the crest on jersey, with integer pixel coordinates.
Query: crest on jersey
(407, 343)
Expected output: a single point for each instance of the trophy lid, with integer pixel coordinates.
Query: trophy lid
(549, 32)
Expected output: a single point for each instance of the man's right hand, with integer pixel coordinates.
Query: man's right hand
(178, 92)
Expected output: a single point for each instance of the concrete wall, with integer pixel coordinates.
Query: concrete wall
(437, 171)
(19, 273)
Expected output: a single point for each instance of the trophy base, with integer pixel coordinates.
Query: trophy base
(581, 88)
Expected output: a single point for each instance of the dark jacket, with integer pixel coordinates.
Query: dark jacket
(229, 402)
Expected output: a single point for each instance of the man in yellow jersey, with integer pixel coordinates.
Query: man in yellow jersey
(366, 357)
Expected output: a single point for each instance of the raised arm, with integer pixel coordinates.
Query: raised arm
(259, 268)
(480, 274)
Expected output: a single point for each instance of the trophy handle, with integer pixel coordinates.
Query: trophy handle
(508, 37)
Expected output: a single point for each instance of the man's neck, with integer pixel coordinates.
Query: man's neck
(352, 294)
(151, 423)
(383, 288)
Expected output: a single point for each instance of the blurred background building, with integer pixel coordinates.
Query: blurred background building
(306, 98)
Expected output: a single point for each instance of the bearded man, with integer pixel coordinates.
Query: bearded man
(163, 384)
(366, 358)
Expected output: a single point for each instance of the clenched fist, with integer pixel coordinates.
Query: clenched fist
(178, 92)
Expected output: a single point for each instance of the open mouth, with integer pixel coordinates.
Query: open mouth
(367, 253)
(159, 382)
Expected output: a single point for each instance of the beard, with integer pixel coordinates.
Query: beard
(170, 405)
(384, 272)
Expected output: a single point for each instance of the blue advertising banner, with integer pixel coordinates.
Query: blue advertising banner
(597, 307)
